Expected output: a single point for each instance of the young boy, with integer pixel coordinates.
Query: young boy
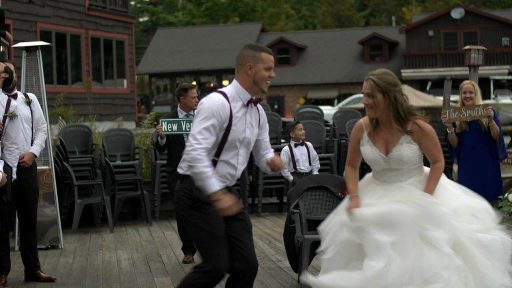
(299, 157)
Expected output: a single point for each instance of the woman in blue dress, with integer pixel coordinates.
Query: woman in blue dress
(475, 146)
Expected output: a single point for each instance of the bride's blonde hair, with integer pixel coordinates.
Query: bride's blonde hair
(463, 125)
(385, 82)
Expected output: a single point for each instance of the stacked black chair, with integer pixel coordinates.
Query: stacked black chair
(311, 201)
(159, 177)
(308, 112)
(78, 139)
(275, 126)
(124, 170)
(340, 133)
(274, 182)
(80, 182)
(265, 107)
(316, 134)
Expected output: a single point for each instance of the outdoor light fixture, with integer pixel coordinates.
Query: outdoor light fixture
(474, 58)
(474, 55)
(225, 83)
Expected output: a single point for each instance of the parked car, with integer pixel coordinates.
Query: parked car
(330, 110)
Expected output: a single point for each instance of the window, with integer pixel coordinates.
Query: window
(505, 41)
(450, 41)
(376, 53)
(108, 61)
(62, 60)
(284, 56)
(469, 38)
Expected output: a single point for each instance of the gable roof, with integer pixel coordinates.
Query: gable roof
(327, 56)
(500, 16)
(377, 35)
(197, 48)
(332, 56)
(285, 40)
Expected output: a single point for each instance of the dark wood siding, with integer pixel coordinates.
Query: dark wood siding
(424, 44)
(108, 104)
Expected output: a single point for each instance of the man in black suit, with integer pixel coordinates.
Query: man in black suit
(187, 97)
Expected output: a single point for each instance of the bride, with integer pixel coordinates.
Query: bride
(406, 225)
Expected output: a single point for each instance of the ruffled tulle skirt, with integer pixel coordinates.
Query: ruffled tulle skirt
(403, 237)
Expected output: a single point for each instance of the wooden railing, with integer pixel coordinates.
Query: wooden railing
(451, 59)
(113, 5)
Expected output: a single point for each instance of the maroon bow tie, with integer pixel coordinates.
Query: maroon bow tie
(13, 95)
(254, 101)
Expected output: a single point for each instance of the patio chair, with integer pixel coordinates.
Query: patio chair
(311, 200)
(78, 139)
(119, 145)
(160, 181)
(265, 107)
(275, 127)
(125, 182)
(309, 108)
(315, 133)
(340, 119)
(87, 189)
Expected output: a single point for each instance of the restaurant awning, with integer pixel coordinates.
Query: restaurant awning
(322, 93)
(416, 99)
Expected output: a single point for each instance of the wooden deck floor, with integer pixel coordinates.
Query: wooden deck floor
(139, 255)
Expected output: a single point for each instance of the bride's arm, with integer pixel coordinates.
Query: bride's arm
(429, 144)
(352, 164)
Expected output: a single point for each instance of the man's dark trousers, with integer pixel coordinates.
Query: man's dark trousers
(225, 244)
(187, 246)
(25, 195)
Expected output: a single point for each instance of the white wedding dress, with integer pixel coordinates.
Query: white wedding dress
(402, 237)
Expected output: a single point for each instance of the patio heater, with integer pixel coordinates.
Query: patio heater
(49, 231)
(474, 58)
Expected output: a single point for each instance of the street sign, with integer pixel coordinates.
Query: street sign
(176, 126)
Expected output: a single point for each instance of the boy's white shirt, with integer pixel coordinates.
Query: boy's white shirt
(301, 159)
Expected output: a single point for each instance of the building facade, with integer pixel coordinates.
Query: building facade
(90, 65)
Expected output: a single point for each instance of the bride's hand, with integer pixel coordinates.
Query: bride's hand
(353, 203)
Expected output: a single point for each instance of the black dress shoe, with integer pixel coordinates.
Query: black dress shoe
(39, 276)
(3, 281)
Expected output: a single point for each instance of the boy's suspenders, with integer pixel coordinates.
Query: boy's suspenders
(293, 156)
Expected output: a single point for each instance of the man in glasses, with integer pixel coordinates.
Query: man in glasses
(174, 144)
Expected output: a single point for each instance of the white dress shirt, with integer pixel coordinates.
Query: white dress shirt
(301, 159)
(249, 132)
(27, 118)
(11, 135)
